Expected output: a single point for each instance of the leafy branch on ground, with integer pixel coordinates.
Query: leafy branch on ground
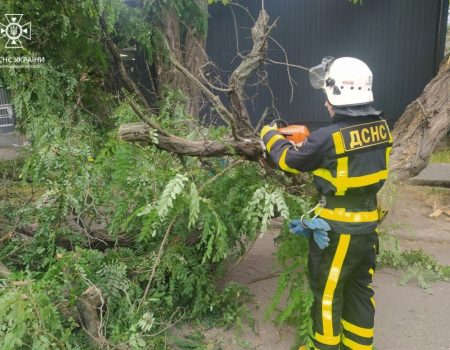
(417, 264)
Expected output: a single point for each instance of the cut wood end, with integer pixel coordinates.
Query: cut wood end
(436, 213)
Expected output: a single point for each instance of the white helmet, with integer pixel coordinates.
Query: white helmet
(346, 81)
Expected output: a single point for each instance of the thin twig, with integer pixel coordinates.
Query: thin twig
(146, 119)
(226, 115)
(245, 9)
(287, 64)
(236, 32)
(169, 325)
(241, 258)
(231, 166)
(155, 265)
(261, 121)
(128, 83)
(287, 68)
(211, 85)
(273, 275)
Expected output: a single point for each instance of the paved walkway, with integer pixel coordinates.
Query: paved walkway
(8, 139)
(9, 146)
(435, 174)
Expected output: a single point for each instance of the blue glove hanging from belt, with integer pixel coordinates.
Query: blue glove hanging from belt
(316, 227)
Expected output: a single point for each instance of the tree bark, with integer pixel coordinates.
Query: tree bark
(97, 238)
(140, 132)
(239, 77)
(236, 116)
(87, 305)
(425, 121)
(189, 50)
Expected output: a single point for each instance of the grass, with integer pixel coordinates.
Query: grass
(441, 156)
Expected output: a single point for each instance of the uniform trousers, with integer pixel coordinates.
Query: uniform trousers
(340, 276)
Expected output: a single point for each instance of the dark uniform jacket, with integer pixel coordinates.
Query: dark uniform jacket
(349, 160)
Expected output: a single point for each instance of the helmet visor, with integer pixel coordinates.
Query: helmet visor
(317, 74)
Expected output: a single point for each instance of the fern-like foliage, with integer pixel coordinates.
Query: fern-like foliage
(155, 213)
(147, 322)
(114, 280)
(171, 191)
(214, 236)
(194, 205)
(293, 287)
(263, 207)
(29, 319)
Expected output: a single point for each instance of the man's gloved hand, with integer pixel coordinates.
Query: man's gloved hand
(316, 227)
(267, 128)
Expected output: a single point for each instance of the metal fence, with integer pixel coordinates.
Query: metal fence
(7, 119)
(4, 96)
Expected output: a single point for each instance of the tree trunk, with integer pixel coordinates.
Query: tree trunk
(194, 56)
(189, 50)
(425, 121)
(90, 305)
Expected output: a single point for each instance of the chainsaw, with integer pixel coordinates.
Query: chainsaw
(297, 134)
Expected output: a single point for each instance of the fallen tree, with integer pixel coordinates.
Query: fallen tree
(425, 121)
(153, 229)
(242, 141)
(423, 124)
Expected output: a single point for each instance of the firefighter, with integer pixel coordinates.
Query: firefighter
(349, 161)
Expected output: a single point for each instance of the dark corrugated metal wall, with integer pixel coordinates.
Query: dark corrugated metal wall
(398, 39)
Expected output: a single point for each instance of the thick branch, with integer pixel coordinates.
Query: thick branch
(99, 238)
(125, 78)
(422, 125)
(139, 132)
(146, 119)
(249, 64)
(224, 113)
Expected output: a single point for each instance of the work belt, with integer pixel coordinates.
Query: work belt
(351, 209)
(350, 202)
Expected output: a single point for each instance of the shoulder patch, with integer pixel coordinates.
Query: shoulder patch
(365, 135)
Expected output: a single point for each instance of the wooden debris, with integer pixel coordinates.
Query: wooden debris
(436, 213)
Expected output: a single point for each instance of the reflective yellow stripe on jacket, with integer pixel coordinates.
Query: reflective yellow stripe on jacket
(342, 181)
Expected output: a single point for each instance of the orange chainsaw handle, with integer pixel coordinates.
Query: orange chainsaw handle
(294, 133)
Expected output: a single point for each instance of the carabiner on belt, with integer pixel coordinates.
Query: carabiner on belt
(321, 205)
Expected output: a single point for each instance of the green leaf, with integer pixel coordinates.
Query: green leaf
(194, 207)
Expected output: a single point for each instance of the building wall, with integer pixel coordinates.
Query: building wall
(401, 40)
